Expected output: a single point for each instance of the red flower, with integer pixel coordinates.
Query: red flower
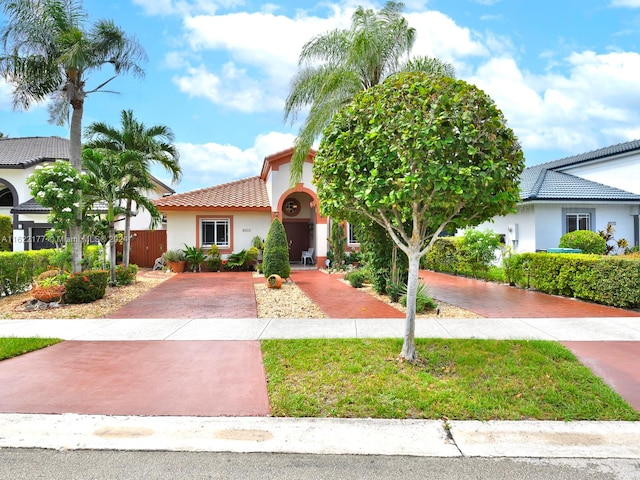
(85, 278)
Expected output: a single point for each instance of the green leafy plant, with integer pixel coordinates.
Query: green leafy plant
(213, 260)
(612, 245)
(424, 301)
(126, 275)
(18, 269)
(585, 240)
(275, 259)
(195, 256)
(478, 250)
(356, 278)
(86, 287)
(6, 233)
(174, 256)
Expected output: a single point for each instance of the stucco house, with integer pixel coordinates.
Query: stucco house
(18, 159)
(232, 214)
(582, 192)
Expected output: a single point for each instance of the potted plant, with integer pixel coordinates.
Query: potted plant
(175, 259)
(274, 281)
(50, 287)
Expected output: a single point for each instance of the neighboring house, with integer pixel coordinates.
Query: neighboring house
(583, 192)
(18, 159)
(232, 214)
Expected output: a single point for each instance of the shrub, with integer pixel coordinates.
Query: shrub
(478, 250)
(92, 257)
(173, 256)
(423, 301)
(126, 276)
(18, 269)
(275, 259)
(213, 260)
(444, 255)
(356, 278)
(6, 233)
(585, 240)
(86, 287)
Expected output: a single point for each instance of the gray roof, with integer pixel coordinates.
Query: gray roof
(547, 182)
(31, 206)
(27, 151)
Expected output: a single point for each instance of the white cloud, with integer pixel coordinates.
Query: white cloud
(231, 88)
(625, 3)
(572, 112)
(210, 164)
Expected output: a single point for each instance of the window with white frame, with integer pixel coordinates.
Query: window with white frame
(352, 235)
(214, 231)
(578, 219)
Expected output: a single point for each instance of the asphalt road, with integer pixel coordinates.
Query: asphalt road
(23, 464)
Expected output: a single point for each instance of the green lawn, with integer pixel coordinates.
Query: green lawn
(454, 379)
(12, 347)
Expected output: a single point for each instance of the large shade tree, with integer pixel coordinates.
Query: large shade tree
(417, 155)
(335, 66)
(149, 145)
(49, 54)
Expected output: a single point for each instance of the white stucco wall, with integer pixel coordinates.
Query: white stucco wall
(622, 172)
(183, 228)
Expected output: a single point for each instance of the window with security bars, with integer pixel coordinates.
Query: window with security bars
(214, 232)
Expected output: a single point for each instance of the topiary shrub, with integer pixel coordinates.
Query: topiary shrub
(6, 233)
(275, 259)
(585, 240)
(86, 287)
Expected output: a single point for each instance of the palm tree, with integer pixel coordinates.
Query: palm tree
(49, 54)
(336, 65)
(146, 146)
(113, 178)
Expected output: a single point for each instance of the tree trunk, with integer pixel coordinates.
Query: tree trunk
(126, 247)
(112, 252)
(409, 345)
(75, 158)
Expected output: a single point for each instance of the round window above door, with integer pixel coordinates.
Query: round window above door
(291, 207)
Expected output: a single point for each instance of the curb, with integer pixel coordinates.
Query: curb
(424, 438)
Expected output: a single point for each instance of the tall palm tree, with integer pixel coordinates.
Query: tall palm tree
(336, 65)
(147, 145)
(49, 54)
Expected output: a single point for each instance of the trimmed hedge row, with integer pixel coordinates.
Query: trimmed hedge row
(608, 280)
(18, 269)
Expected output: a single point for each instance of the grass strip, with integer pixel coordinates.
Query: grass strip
(14, 346)
(454, 379)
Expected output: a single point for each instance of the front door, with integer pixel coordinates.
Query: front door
(298, 237)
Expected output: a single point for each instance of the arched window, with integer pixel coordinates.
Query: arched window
(6, 197)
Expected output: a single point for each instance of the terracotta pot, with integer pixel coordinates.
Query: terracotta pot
(177, 267)
(274, 281)
(48, 294)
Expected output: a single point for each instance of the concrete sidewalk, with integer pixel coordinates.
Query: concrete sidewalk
(565, 329)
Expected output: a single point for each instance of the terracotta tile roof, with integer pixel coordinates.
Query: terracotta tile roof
(249, 193)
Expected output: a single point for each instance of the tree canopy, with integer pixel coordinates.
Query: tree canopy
(418, 154)
(335, 66)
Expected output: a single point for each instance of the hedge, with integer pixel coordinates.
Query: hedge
(18, 269)
(608, 280)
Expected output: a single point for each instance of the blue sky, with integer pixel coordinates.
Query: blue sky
(565, 73)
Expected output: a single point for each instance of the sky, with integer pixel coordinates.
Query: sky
(566, 74)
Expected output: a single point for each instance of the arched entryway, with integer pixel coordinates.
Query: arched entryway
(298, 216)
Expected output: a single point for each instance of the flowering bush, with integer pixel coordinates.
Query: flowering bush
(55, 186)
(86, 287)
